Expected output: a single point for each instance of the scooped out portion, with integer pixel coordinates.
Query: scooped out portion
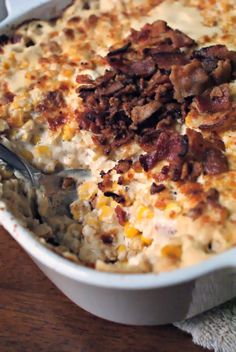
(150, 109)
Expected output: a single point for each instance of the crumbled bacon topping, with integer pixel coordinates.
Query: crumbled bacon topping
(156, 188)
(121, 215)
(155, 79)
(116, 197)
(106, 182)
(123, 166)
(214, 100)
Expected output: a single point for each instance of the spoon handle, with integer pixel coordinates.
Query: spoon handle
(18, 163)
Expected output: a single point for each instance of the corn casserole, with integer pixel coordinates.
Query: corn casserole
(142, 93)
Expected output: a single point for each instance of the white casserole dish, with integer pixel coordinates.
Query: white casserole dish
(140, 299)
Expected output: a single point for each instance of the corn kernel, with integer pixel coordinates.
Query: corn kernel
(12, 56)
(6, 65)
(17, 121)
(105, 212)
(172, 209)
(28, 75)
(43, 150)
(86, 190)
(3, 125)
(26, 154)
(172, 251)
(24, 64)
(121, 248)
(188, 120)
(102, 200)
(130, 231)
(36, 139)
(144, 213)
(115, 186)
(75, 212)
(113, 204)
(6, 173)
(67, 73)
(68, 132)
(146, 241)
(91, 220)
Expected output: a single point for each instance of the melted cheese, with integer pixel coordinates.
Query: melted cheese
(186, 19)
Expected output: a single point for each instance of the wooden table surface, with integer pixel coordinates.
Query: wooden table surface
(35, 316)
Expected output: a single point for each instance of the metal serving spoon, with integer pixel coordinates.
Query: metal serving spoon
(14, 12)
(59, 188)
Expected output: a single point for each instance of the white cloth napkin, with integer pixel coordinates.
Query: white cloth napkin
(215, 329)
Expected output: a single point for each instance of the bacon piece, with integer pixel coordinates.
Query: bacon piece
(196, 144)
(213, 51)
(142, 68)
(210, 155)
(157, 79)
(141, 113)
(165, 123)
(119, 141)
(121, 215)
(120, 50)
(178, 146)
(167, 59)
(123, 166)
(214, 122)
(215, 162)
(189, 80)
(164, 93)
(111, 89)
(7, 97)
(116, 197)
(224, 61)
(209, 64)
(156, 188)
(107, 238)
(215, 140)
(197, 211)
(213, 195)
(179, 39)
(106, 183)
(196, 171)
(157, 33)
(85, 79)
(214, 100)
(219, 121)
(149, 140)
(223, 72)
(69, 33)
(168, 146)
(148, 32)
(148, 161)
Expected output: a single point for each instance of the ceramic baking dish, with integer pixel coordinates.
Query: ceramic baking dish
(141, 299)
